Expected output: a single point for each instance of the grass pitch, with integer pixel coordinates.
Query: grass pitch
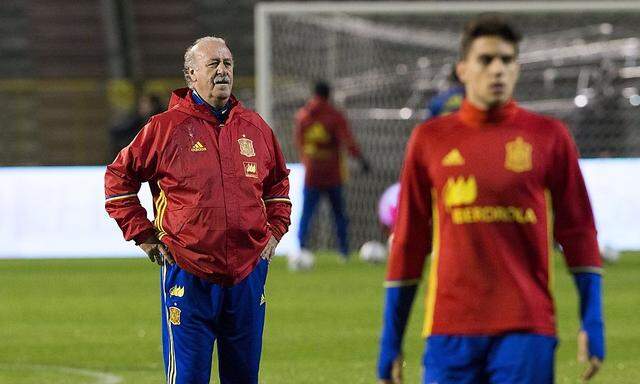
(98, 322)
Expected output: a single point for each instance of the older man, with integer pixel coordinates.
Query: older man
(220, 186)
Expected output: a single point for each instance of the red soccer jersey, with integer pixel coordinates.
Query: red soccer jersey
(322, 135)
(493, 188)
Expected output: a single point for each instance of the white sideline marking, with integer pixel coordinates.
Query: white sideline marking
(100, 377)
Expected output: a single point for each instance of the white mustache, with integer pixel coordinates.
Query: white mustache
(224, 79)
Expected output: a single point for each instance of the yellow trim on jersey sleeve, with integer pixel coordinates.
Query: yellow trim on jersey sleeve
(550, 241)
(433, 273)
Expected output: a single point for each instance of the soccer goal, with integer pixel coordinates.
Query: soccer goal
(580, 62)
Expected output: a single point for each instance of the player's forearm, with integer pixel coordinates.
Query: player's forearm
(589, 287)
(398, 302)
(122, 204)
(132, 220)
(580, 248)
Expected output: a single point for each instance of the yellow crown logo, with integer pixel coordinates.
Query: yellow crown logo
(250, 169)
(460, 191)
(518, 155)
(176, 291)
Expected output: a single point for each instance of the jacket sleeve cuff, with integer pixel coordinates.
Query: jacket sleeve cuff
(144, 235)
(275, 232)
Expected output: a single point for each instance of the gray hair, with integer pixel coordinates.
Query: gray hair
(189, 56)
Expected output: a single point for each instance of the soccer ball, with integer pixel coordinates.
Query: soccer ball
(301, 261)
(373, 252)
(609, 254)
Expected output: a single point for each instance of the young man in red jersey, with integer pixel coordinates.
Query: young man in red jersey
(496, 185)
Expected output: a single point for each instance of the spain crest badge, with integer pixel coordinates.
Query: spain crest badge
(518, 155)
(246, 147)
(174, 315)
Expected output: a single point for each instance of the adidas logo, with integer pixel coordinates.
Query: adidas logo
(453, 158)
(263, 299)
(198, 147)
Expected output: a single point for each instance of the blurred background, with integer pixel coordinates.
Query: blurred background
(580, 63)
(75, 76)
(79, 78)
(71, 70)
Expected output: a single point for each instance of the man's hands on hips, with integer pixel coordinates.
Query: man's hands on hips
(270, 249)
(156, 251)
(594, 363)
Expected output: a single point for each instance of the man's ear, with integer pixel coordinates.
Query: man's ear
(190, 75)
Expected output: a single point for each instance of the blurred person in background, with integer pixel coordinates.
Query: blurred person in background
(322, 136)
(494, 184)
(448, 100)
(122, 134)
(443, 103)
(220, 186)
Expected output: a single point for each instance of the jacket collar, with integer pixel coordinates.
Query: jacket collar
(475, 117)
(182, 100)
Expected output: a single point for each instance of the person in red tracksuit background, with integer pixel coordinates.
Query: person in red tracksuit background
(220, 186)
(322, 137)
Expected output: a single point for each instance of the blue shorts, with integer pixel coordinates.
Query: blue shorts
(513, 358)
(196, 314)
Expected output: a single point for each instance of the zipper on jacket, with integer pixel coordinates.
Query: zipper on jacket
(217, 133)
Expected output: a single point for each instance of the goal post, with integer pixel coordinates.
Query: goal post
(264, 11)
(580, 62)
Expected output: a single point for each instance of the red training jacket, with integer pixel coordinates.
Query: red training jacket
(220, 190)
(494, 188)
(322, 133)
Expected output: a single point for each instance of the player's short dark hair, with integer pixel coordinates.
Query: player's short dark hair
(322, 89)
(488, 25)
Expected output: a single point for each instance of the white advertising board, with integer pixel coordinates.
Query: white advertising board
(614, 190)
(59, 211)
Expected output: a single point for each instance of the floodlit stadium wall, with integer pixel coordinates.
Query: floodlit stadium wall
(59, 211)
(580, 62)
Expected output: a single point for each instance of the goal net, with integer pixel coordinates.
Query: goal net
(385, 60)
